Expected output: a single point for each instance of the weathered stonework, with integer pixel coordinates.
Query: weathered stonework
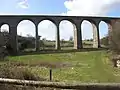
(57, 45)
(96, 41)
(13, 21)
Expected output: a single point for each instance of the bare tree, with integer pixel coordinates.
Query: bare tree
(115, 37)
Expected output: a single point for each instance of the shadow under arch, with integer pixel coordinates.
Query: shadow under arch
(67, 34)
(47, 30)
(26, 35)
(62, 51)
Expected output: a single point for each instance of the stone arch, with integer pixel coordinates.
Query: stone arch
(68, 19)
(65, 25)
(87, 33)
(104, 30)
(109, 23)
(49, 19)
(22, 19)
(26, 35)
(47, 30)
(90, 38)
(92, 21)
(4, 27)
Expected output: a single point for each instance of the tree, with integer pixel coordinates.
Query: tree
(71, 38)
(28, 35)
(104, 40)
(62, 41)
(44, 39)
(114, 37)
(4, 30)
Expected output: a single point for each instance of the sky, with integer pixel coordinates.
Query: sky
(47, 29)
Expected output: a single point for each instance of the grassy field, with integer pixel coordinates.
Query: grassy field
(67, 45)
(91, 66)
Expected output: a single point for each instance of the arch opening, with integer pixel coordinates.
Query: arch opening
(103, 31)
(4, 28)
(87, 34)
(46, 31)
(26, 35)
(66, 34)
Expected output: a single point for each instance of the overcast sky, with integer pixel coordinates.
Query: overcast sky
(60, 7)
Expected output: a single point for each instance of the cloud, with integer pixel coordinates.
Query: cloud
(23, 4)
(90, 7)
(74, 8)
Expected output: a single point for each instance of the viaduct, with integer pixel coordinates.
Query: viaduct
(14, 20)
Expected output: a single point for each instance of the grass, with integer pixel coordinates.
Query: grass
(86, 44)
(90, 67)
(67, 45)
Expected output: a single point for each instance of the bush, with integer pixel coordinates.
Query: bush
(104, 41)
(15, 70)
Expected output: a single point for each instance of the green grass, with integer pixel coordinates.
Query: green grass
(91, 66)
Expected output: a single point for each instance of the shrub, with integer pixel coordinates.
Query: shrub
(17, 71)
(104, 41)
(9, 70)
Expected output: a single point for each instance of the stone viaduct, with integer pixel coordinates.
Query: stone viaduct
(14, 20)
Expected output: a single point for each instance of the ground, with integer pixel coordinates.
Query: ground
(93, 66)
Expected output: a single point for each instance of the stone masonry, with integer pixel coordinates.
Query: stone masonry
(14, 20)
